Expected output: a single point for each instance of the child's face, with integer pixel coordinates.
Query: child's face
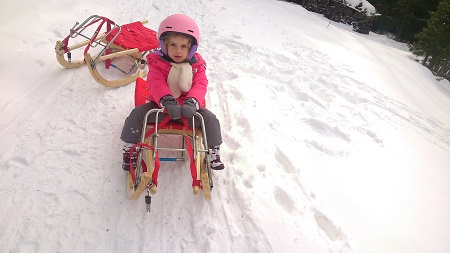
(178, 48)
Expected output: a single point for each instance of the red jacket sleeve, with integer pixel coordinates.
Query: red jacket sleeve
(157, 78)
(199, 82)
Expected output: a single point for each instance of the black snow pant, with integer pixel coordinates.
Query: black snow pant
(131, 132)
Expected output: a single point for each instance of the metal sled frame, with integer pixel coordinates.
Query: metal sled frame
(115, 41)
(145, 176)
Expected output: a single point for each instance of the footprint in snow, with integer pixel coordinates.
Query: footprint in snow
(284, 200)
(285, 162)
(327, 226)
(262, 168)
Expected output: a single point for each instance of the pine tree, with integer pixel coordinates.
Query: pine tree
(403, 18)
(434, 40)
(413, 16)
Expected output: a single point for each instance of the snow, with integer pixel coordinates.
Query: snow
(365, 5)
(334, 141)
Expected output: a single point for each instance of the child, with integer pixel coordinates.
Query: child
(178, 83)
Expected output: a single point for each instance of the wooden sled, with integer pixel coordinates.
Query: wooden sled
(145, 176)
(110, 41)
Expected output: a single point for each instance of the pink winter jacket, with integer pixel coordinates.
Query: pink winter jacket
(158, 71)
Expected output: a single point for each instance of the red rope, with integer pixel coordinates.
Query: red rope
(132, 149)
(97, 31)
(140, 144)
(193, 167)
(157, 162)
(65, 42)
(160, 125)
(195, 181)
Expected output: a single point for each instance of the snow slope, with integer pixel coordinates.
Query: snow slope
(333, 141)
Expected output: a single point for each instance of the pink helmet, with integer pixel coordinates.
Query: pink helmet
(182, 24)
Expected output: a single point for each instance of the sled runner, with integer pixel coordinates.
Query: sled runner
(121, 48)
(145, 176)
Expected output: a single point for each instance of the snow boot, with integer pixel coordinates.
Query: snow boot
(126, 157)
(214, 159)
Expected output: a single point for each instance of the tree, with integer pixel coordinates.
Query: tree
(413, 16)
(403, 18)
(433, 42)
(384, 23)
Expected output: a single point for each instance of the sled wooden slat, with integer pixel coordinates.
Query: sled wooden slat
(118, 54)
(60, 58)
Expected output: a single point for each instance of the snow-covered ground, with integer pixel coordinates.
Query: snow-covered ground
(333, 141)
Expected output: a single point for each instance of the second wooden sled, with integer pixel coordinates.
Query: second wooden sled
(108, 41)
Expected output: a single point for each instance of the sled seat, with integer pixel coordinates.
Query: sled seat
(132, 40)
(134, 35)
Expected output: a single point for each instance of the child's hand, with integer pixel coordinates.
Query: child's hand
(172, 107)
(189, 108)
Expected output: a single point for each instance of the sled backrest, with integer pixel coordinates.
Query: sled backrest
(141, 92)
